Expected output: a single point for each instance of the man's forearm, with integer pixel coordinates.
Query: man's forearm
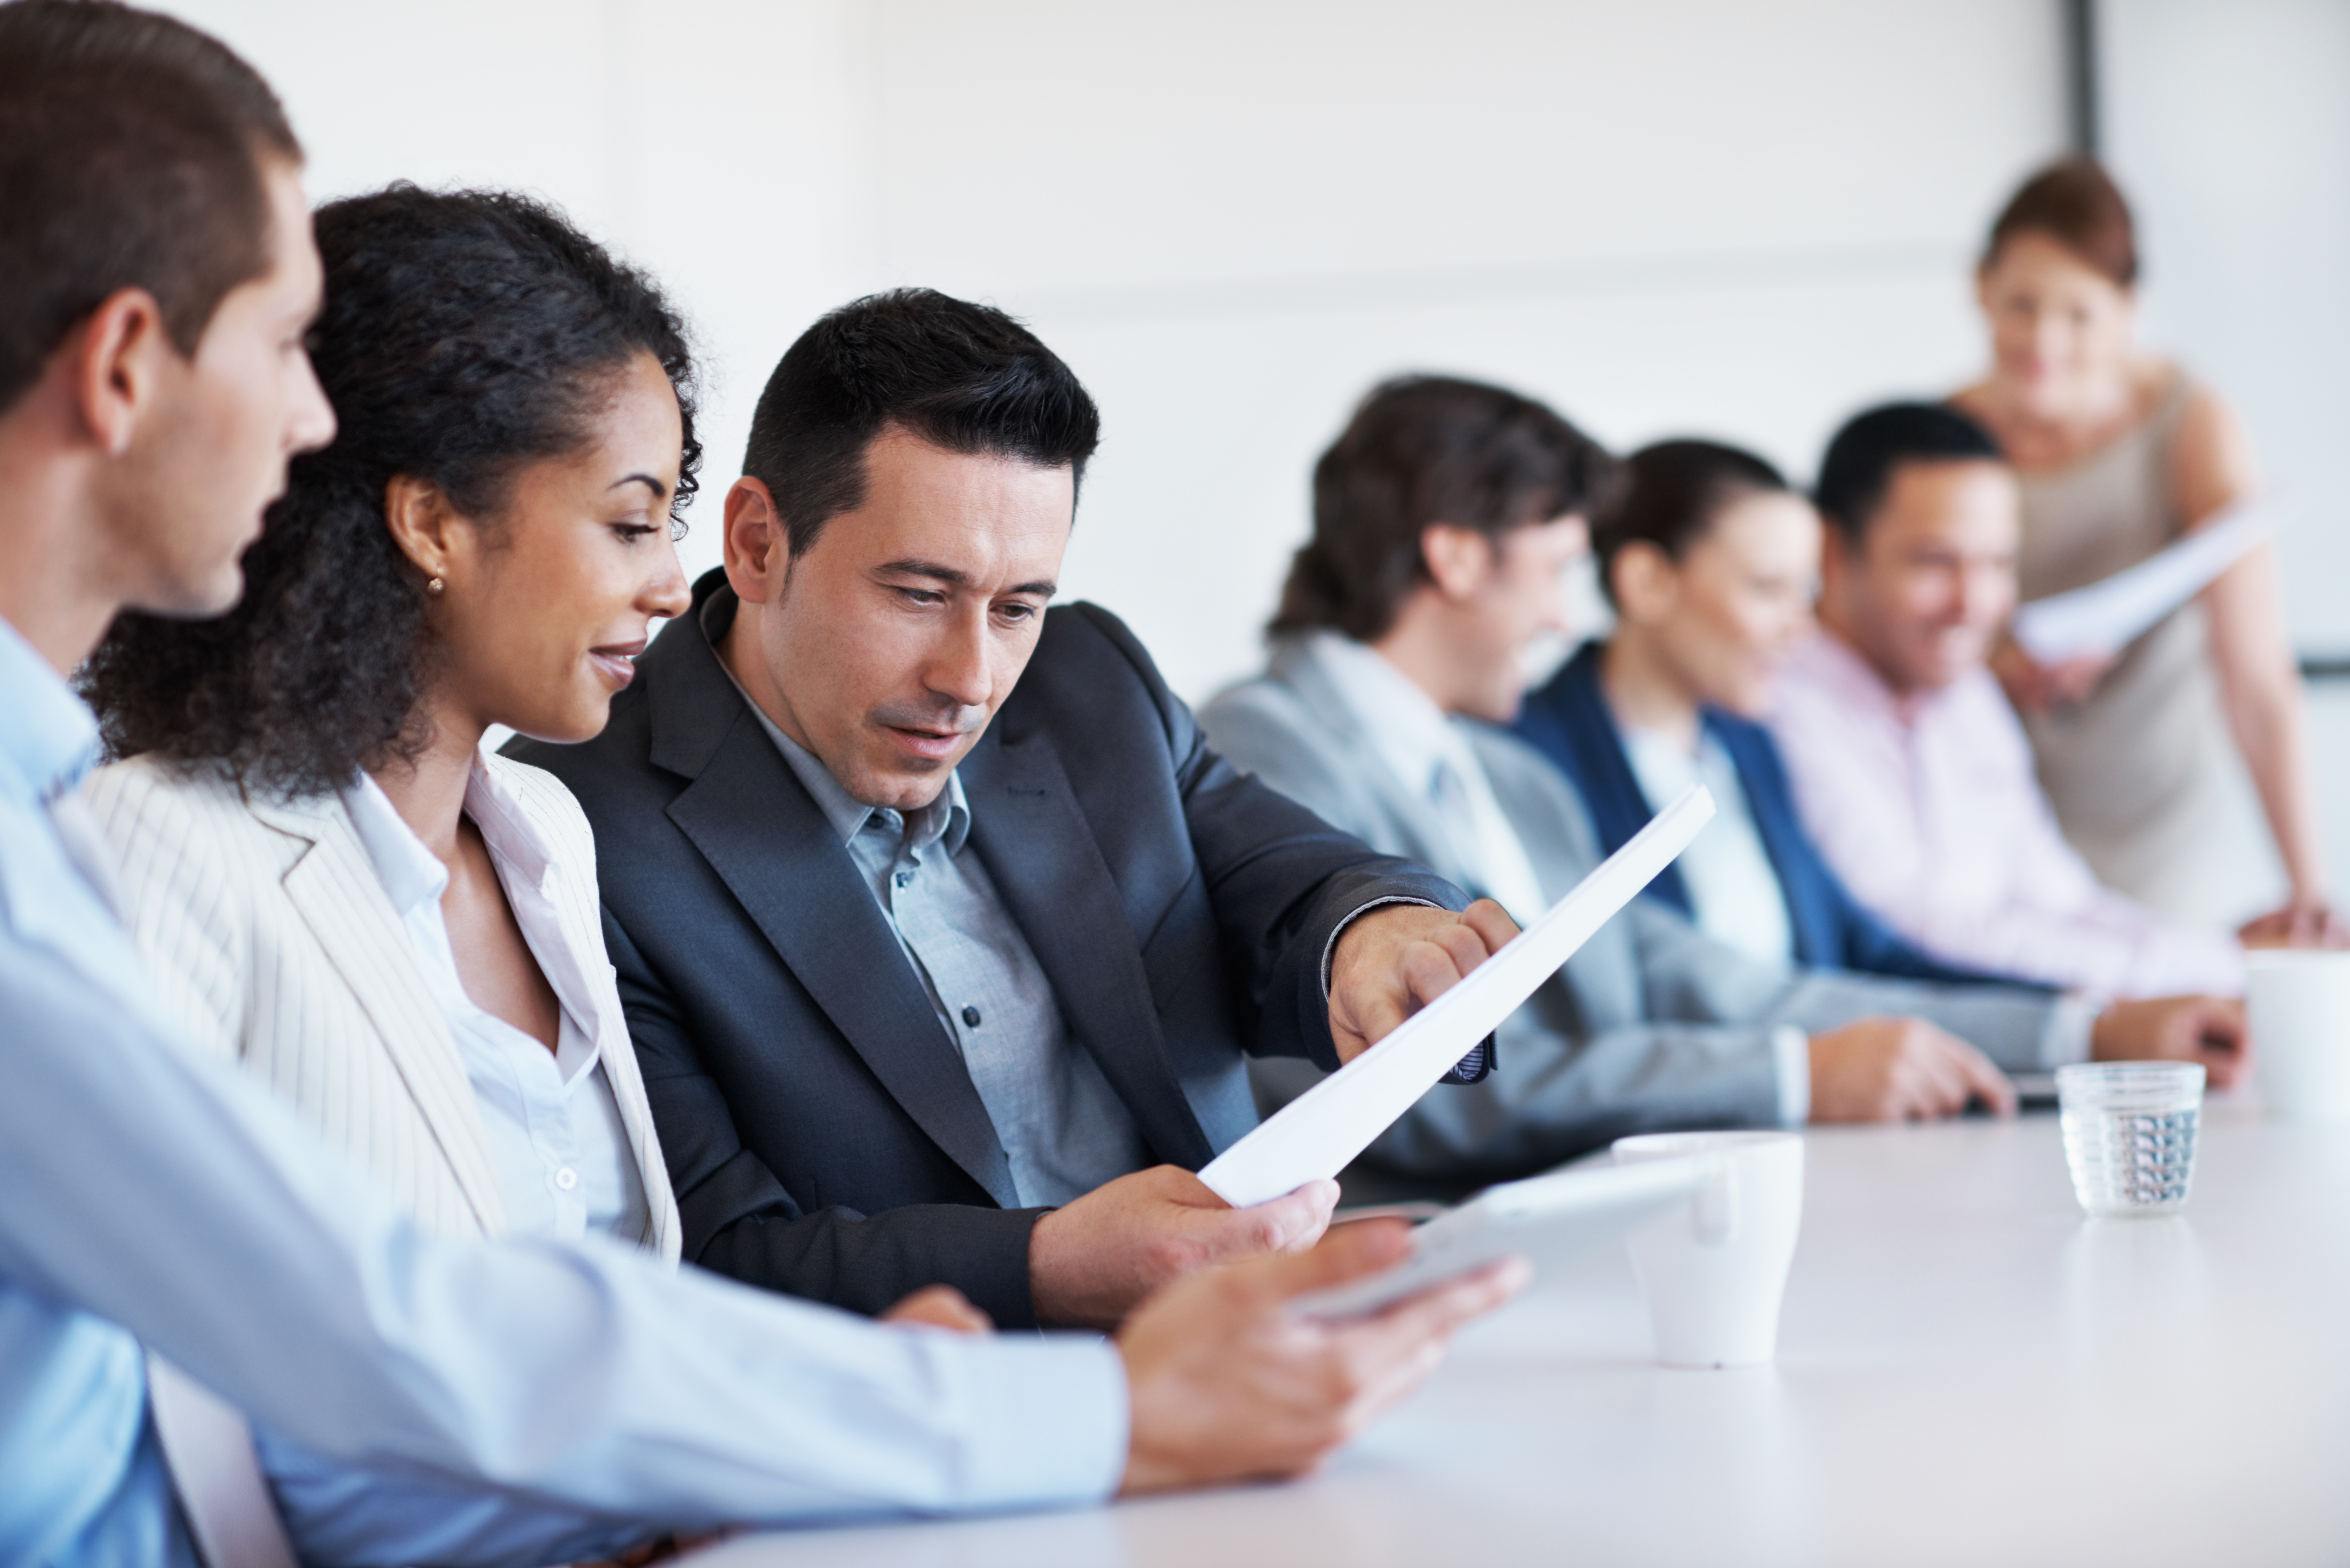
(196, 1211)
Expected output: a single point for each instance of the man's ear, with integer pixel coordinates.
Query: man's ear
(1839, 560)
(418, 514)
(1458, 559)
(758, 550)
(117, 368)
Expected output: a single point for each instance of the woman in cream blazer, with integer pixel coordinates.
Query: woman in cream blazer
(332, 879)
(269, 931)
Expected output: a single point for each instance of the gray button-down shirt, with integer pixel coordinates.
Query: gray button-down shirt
(1064, 1129)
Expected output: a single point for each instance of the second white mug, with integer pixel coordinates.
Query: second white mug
(2298, 1005)
(1715, 1268)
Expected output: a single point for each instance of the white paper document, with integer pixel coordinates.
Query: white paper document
(1317, 1132)
(2106, 616)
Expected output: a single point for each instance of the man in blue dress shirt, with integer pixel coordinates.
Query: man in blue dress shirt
(416, 1399)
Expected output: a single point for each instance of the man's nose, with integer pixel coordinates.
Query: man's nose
(958, 668)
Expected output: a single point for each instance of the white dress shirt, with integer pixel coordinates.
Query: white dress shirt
(148, 1190)
(1732, 883)
(562, 1154)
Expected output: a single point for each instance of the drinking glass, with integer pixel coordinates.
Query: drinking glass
(2129, 1133)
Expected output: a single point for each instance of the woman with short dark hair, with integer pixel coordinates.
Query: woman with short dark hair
(2121, 454)
(1711, 562)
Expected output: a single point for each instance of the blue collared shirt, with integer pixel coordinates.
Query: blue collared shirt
(1064, 1129)
(145, 1185)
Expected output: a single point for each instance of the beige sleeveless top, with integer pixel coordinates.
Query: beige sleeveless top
(2145, 776)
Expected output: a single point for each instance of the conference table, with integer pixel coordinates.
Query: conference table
(1969, 1372)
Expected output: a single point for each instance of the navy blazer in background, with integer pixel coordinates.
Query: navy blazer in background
(1569, 722)
(822, 1132)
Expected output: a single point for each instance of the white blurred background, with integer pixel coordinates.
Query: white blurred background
(1739, 218)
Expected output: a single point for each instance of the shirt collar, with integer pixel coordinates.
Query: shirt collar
(948, 816)
(49, 740)
(1413, 735)
(1842, 665)
(412, 875)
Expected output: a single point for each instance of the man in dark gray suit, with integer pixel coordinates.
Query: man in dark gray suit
(944, 936)
(1445, 517)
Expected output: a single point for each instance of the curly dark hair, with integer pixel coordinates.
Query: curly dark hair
(465, 335)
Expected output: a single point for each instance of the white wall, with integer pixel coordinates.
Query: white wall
(1233, 215)
(2229, 121)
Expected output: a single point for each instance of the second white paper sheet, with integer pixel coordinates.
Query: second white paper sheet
(1315, 1134)
(2106, 616)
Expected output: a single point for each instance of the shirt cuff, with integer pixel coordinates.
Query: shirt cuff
(2072, 1021)
(1057, 1406)
(1790, 1053)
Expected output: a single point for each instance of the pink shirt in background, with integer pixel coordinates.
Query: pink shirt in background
(1927, 808)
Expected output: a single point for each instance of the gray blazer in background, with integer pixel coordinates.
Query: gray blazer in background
(1651, 1025)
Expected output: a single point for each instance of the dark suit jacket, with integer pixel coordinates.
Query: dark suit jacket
(821, 1131)
(1569, 722)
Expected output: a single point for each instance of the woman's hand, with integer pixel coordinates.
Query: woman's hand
(2306, 922)
(941, 1306)
(2036, 688)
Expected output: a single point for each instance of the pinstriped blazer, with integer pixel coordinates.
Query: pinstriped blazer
(267, 931)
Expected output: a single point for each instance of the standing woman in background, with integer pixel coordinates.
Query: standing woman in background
(2120, 453)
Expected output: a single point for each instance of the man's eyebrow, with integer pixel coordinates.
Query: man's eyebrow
(954, 578)
(647, 481)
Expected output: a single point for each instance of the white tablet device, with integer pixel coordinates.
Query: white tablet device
(1544, 1219)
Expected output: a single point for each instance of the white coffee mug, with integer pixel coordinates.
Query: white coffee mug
(1715, 1268)
(2299, 1003)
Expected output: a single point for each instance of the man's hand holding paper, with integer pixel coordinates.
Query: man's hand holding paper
(1396, 960)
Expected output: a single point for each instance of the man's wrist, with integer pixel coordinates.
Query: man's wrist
(1330, 948)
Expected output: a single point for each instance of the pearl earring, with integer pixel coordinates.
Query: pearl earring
(435, 586)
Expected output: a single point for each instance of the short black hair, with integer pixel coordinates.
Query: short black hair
(1669, 496)
(1422, 450)
(130, 150)
(1859, 464)
(963, 377)
(465, 335)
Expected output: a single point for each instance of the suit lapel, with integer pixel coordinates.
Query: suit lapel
(1049, 871)
(334, 886)
(772, 846)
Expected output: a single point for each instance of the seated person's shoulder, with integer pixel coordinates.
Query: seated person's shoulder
(188, 806)
(1255, 716)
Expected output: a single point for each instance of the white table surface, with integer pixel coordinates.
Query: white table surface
(1970, 1373)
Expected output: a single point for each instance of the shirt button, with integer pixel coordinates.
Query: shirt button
(970, 1016)
(566, 1179)
(903, 877)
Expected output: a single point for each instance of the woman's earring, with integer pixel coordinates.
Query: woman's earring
(435, 586)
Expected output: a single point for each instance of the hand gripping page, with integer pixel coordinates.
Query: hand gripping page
(1315, 1134)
